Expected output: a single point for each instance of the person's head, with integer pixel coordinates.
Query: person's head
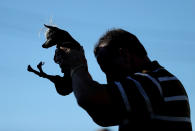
(119, 52)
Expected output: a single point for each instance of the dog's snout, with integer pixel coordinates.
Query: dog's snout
(49, 43)
(44, 46)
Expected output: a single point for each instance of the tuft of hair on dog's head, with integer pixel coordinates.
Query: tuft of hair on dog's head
(49, 29)
(50, 35)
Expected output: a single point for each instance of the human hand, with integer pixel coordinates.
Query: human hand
(60, 58)
(68, 59)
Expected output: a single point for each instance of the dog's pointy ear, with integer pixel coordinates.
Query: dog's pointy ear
(49, 27)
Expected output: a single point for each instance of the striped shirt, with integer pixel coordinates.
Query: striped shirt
(153, 101)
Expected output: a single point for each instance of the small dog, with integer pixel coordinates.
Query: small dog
(60, 38)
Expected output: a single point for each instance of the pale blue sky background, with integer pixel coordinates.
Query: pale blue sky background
(29, 103)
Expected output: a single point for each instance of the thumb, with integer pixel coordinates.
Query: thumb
(65, 49)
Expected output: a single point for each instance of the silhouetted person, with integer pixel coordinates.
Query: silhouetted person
(139, 95)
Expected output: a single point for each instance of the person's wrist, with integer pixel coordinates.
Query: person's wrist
(76, 68)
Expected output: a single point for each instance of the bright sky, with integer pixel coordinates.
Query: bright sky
(29, 103)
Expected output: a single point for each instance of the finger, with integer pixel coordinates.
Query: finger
(67, 50)
(59, 53)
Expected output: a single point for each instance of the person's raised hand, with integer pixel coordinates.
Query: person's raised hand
(70, 58)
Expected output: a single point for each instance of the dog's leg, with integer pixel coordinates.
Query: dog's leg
(30, 69)
(40, 73)
(63, 84)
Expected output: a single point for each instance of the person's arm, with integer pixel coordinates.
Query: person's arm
(102, 101)
(86, 90)
(104, 107)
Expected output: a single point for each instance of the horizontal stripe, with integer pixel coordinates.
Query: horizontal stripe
(176, 98)
(172, 88)
(175, 108)
(143, 93)
(171, 118)
(167, 78)
(153, 80)
(124, 96)
(157, 69)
